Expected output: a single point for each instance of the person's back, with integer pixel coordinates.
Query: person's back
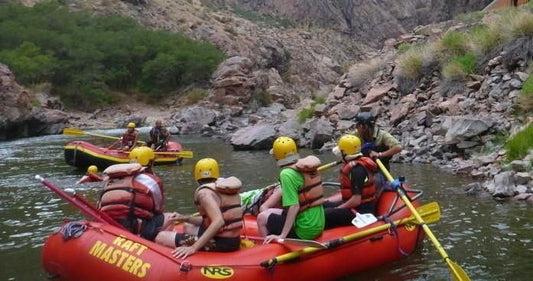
(301, 196)
(134, 196)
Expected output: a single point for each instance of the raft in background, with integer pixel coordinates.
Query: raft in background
(83, 154)
(95, 251)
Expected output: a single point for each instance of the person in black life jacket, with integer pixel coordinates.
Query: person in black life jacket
(219, 226)
(359, 188)
(91, 175)
(159, 137)
(302, 215)
(134, 196)
(129, 138)
(377, 143)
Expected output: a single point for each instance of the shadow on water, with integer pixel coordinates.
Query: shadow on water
(490, 240)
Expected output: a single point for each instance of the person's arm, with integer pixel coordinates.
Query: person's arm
(207, 200)
(389, 141)
(273, 201)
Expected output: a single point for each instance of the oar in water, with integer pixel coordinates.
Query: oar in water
(81, 203)
(457, 271)
(430, 212)
(78, 132)
(183, 154)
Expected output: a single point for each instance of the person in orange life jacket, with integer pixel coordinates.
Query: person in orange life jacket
(130, 137)
(359, 190)
(219, 227)
(377, 143)
(134, 196)
(159, 137)
(302, 215)
(91, 175)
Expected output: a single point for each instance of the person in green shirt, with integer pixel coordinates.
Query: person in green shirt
(302, 215)
(377, 143)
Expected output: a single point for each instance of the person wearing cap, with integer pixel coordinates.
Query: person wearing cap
(359, 187)
(302, 215)
(219, 224)
(130, 137)
(377, 143)
(91, 175)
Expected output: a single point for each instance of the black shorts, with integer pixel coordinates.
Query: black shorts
(217, 244)
(338, 217)
(276, 222)
(150, 228)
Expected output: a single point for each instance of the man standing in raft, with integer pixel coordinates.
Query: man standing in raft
(133, 195)
(219, 226)
(302, 215)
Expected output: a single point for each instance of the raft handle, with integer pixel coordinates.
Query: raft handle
(185, 266)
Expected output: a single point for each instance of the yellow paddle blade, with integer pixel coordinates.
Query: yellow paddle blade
(458, 272)
(183, 154)
(429, 212)
(73, 132)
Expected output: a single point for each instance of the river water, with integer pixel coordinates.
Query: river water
(490, 240)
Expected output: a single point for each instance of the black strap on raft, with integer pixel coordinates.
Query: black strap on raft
(73, 230)
(393, 230)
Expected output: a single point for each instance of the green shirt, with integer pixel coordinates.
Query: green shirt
(310, 223)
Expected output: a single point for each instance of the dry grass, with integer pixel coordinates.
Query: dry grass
(364, 71)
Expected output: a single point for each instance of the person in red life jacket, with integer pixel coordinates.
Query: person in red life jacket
(159, 137)
(134, 196)
(91, 175)
(359, 187)
(129, 138)
(377, 143)
(219, 226)
(302, 215)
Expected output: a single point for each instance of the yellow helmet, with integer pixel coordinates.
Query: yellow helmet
(131, 125)
(349, 144)
(206, 168)
(285, 151)
(142, 155)
(92, 169)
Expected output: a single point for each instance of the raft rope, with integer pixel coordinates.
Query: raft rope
(73, 230)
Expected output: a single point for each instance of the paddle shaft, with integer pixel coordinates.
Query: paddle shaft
(432, 208)
(81, 203)
(78, 132)
(458, 272)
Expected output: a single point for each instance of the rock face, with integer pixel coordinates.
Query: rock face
(18, 116)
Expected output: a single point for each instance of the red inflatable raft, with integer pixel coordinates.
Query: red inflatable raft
(95, 251)
(83, 154)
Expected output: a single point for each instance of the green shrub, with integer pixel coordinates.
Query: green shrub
(484, 40)
(305, 114)
(459, 66)
(526, 94)
(411, 63)
(263, 98)
(455, 42)
(518, 145)
(86, 58)
(404, 47)
(195, 95)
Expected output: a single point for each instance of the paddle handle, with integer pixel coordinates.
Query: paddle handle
(81, 203)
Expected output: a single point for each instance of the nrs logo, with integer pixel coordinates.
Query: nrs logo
(217, 272)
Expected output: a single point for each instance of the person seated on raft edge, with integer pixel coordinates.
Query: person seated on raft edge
(129, 138)
(159, 137)
(302, 215)
(91, 175)
(219, 226)
(359, 187)
(136, 183)
(377, 143)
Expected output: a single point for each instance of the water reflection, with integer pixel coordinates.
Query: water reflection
(490, 240)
